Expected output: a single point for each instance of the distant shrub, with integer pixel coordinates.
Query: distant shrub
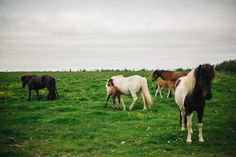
(142, 69)
(226, 66)
(181, 69)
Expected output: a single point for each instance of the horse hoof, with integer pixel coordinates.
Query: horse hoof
(189, 141)
(182, 129)
(201, 140)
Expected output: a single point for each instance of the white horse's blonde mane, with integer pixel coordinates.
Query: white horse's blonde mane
(190, 82)
(117, 76)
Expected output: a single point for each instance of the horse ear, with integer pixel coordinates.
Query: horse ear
(197, 71)
(111, 82)
(199, 68)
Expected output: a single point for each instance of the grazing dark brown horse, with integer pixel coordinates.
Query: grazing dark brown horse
(39, 82)
(168, 75)
(191, 93)
(114, 92)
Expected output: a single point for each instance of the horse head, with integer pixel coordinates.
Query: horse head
(110, 83)
(156, 74)
(204, 75)
(25, 79)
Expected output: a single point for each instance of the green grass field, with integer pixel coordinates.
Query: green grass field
(78, 124)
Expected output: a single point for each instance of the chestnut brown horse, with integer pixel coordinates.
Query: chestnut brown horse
(168, 75)
(170, 85)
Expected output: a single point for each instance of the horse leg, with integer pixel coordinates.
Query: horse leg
(173, 92)
(191, 129)
(37, 94)
(144, 103)
(168, 95)
(122, 101)
(29, 94)
(57, 95)
(107, 100)
(189, 126)
(182, 119)
(52, 94)
(160, 92)
(114, 102)
(157, 90)
(200, 125)
(118, 96)
(134, 100)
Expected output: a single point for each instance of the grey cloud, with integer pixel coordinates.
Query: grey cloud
(129, 33)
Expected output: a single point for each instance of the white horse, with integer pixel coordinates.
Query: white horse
(190, 95)
(130, 86)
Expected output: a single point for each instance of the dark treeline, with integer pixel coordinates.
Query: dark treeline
(228, 66)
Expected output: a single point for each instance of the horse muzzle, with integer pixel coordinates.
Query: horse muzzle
(208, 96)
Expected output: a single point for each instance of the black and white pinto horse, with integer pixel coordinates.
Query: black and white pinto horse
(39, 82)
(191, 93)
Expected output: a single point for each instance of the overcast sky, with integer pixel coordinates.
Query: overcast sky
(115, 34)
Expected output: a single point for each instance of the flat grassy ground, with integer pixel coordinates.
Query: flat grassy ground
(79, 125)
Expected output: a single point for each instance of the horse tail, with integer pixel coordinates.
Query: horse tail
(57, 95)
(55, 89)
(53, 94)
(146, 94)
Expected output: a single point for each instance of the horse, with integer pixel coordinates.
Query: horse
(168, 75)
(191, 93)
(114, 92)
(131, 86)
(165, 84)
(36, 83)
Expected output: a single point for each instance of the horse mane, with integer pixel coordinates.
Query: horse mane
(117, 76)
(193, 76)
(190, 81)
(27, 76)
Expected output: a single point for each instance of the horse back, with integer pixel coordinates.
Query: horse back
(36, 83)
(173, 75)
(49, 82)
(125, 84)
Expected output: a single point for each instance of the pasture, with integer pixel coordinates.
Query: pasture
(78, 124)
